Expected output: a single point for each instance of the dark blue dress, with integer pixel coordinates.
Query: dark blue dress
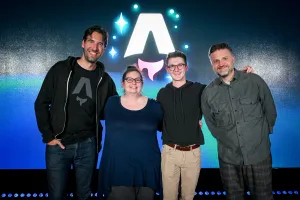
(131, 155)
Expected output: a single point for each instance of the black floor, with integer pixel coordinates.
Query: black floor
(32, 184)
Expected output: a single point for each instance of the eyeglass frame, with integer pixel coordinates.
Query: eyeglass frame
(179, 66)
(136, 80)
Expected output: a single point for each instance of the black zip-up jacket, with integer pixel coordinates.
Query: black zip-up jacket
(50, 105)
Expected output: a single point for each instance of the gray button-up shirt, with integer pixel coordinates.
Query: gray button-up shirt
(240, 116)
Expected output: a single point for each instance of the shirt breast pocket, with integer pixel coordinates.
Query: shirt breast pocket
(222, 116)
(251, 109)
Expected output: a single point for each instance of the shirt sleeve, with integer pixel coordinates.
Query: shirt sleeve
(267, 103)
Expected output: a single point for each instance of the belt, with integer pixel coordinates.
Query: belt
(184, 148)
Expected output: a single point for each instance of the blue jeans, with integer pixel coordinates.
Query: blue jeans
(82, 156)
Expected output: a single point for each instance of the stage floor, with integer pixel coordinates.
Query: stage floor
(32, 184)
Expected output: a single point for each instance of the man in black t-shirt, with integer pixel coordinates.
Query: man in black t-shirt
(68, 110)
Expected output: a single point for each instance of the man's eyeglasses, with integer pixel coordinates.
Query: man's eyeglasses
(130, 80)
(179, 66)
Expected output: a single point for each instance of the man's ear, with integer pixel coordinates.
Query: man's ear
(82, 44)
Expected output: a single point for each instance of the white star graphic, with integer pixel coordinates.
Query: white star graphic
(112, 52)
(121, 23)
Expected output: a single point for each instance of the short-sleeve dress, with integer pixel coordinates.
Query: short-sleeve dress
(131, 155)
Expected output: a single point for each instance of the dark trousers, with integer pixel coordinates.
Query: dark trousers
(82, 156)
(257, 177)
(131, 193)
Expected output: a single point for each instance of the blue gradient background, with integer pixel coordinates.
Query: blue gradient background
(263, 35)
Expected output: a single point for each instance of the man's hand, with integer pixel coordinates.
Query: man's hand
(248, 69)
(56, 142)
(200, 123)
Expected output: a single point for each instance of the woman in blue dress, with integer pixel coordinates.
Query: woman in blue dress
(130, 162)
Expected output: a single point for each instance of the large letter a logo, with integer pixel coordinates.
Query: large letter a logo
(145, 24)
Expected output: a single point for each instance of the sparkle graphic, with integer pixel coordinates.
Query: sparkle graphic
(112, 52)
(121, 23)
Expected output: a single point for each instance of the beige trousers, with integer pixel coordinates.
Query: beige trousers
(176, 165)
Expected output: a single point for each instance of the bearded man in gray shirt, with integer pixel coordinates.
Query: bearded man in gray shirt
(240, 113)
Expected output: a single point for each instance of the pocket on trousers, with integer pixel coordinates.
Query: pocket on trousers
(53, 149)
(197, 152)
(52, 146)
(167, 151)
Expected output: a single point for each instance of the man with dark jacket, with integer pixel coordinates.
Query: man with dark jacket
(182, 135)
(240, 113)
(68, 110)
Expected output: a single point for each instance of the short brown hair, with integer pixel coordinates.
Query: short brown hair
(218, 46)
(176, 54)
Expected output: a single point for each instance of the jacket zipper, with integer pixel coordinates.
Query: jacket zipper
(97, 123)
(67, 94)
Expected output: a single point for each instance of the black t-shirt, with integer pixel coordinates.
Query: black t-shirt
(81, 106)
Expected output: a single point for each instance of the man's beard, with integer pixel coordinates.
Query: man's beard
(225, 74)
(90, 59)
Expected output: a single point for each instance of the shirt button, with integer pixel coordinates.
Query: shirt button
(235, 110)
(237, 122)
